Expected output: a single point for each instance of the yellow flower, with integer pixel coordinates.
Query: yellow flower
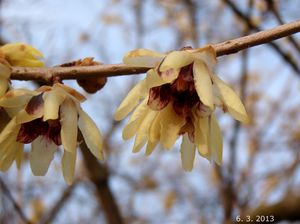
(50, 117)
(16, 54)
(179, 96)
(20, 54)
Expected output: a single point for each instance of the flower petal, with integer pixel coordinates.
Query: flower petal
(24, 117)
(130, 101)
(201, 132)
(17, 97)
(52, 100)
(143, 58)
(91, 134)
(68, 163)
(176, 59)
(19, 155)
(203, 84)
(153, 79)
(170, 75)
(143, 132)
(215, 140)
(154, 131)
(135, 120)
(41, 155)
(70, 90)
(187, 153)
(206, 54)
(5, 69)
(68, 120)
(150, 147)
(231, 100)
(171, 124)
(3, 86)
(10, 155)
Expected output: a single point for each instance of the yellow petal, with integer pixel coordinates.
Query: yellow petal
(206, 54)
(11, 127)
(70, 90)
(135, 120)
(215, 140)
(150, 147)
(41, 155)
(203, 84)
(154, 131)
(3, 86)
(68, 120)
(17, 98)
(153, 79)
(170, 75)
(175, 60)
(201, 133)
(5, 71)
(23, 116)
(68, 166)
(17, 53)
(52, 101)
(231, 100)
(91, 134)
(187, 153)
(130, 101)
(27, 63)
(143, 132)
(171, 124)
(20, 155)
(143, 58)
(8, 158)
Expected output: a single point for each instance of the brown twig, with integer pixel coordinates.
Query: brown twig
(224, 48)
(17, 207)
(285, 56)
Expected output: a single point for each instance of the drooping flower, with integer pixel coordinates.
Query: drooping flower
(50, 117)
(179, 96)
(16, 54)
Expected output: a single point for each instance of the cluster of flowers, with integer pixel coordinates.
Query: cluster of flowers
(46, 117)
(178, 97)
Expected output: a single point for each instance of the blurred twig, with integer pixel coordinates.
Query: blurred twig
(285, 56)
(53, 212)
(224, 48)
(17, 207)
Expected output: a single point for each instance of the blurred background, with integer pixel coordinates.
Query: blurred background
(260, 174)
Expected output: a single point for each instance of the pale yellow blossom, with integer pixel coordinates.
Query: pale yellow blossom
(178, 97)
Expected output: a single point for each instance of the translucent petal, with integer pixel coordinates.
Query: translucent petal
(8, 158)
(5, 70)
(41, 155)
(215, 140)
(175, 60)
(201, 133)
(27, 63)
(135, 120)
(231, 100)
(143, 58)
(68, 120)
(154, 131)
(70, 90)
(52, 101)
(143, 132)
(23, 116)
(153, 79)
(3, 86)
(17, 97)
(206, 54)
(150, 147)
(68, 163)
(11, 127)
(203, 84)
(187, 153)
(171, 124)
(130, 101)
(91, 134)
(19, 155)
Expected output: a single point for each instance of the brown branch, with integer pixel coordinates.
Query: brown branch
(285, 56)
(224, 48)
(53, 212)
(17, 207)
(99, 176)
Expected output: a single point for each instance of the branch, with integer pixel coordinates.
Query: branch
(285, 56)
(224, 48)
(17, 207)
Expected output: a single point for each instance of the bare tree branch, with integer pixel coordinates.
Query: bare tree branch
(285, 56)
(224, 48)
(17, 207)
